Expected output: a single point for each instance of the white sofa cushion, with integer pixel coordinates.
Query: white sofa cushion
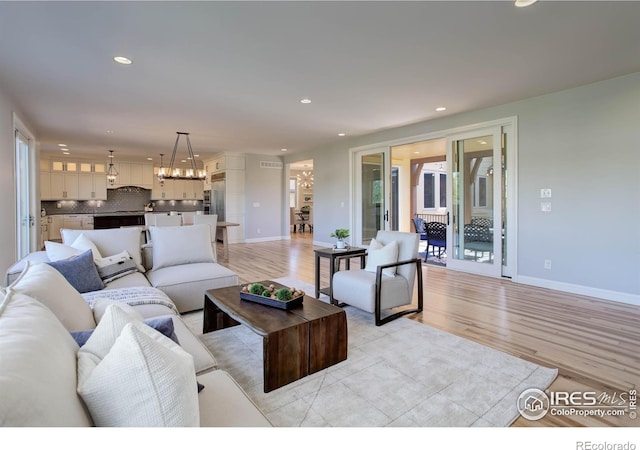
(110, 241)
(38, 361)
(174, 246)
(48, 286)
(144, 380)
(187, 283)
(223, 403)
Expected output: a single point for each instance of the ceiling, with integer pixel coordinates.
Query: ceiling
(232, 74)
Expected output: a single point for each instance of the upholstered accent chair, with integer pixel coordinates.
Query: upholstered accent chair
(387, 280)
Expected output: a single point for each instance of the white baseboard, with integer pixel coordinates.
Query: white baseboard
(604, 294)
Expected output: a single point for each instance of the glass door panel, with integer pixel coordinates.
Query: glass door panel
(371, 194)
(474, 243)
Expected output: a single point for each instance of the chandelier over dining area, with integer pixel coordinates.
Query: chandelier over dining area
(191, 169)
(305, 180)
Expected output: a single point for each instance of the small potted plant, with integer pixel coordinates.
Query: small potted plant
(341, 234)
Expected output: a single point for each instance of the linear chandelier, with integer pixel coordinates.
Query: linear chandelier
(112, 172)
(176, 173)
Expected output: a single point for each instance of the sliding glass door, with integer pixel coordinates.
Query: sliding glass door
(475, 193)
(372, 175)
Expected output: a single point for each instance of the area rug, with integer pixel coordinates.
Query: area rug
(434, 260)
(402, 374)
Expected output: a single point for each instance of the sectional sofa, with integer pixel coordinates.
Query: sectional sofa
(118, 355)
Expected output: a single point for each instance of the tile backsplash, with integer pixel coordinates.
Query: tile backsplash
(118, 200)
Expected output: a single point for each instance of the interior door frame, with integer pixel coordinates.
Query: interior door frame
(33, 168)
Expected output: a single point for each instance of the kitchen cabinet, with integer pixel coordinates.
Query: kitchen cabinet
(77, 221)
(45, 185)
(134, 174)
(55, 223)
(44, 232)
(92, 186)
(64, 186)
(164, 192)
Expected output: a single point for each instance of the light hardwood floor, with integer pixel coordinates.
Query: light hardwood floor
(594, 343)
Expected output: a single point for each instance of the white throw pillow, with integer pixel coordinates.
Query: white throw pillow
(84, 243)
(49, 287)
(379, 254)
(173, 246)
(103, 337)
(101, 304)
(58, 252)
(145, 380)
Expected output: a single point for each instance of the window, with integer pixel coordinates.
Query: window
(429, 191)
(480, 197)
(434, 188)
(443, 190)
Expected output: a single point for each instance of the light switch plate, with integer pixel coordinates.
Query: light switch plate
(545, 206)
(545, 193)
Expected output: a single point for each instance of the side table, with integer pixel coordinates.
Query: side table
(332, 254)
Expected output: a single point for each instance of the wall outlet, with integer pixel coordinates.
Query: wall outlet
(545, 193)
(545, 206)
(547, 264)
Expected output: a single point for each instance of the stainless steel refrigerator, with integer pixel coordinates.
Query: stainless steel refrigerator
(218, 196)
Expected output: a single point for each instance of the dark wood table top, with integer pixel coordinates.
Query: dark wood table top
(266, 319)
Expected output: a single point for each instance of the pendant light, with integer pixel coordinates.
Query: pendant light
(112, 172)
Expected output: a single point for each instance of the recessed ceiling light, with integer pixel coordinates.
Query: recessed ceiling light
(62, 145)
(283, 149)
(149, 159)
(196, 156)
(523, 3)
(122, 60)
(109, 131)
(305, 101)
(341, 134)
(416, 153)
(66, 153)
(441, 108)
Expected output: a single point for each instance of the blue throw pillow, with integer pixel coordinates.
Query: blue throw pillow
(162, 324)
(80, 271)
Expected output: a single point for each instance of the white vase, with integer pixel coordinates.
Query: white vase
(340, 244)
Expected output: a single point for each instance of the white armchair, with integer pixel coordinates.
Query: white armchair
(387, 280)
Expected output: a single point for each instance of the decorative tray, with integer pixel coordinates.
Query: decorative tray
(277, 297)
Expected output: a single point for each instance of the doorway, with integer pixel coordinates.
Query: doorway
(300, 184)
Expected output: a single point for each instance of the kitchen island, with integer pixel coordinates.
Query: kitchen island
(118, 219)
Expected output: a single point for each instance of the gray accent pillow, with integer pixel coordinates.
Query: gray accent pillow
(117, 270)
(80, 271)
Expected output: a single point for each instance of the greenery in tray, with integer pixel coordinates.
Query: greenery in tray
(282, 294)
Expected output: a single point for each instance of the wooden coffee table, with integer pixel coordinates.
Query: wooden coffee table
(296, 342)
